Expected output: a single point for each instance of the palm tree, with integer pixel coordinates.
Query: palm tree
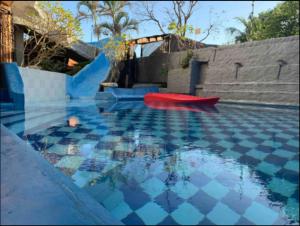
(119, 20)
(247, 35)
(241, 36)
(91, 12)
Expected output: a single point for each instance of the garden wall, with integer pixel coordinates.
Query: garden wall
(259, 72)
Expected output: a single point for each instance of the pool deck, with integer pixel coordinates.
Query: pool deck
(34, 192)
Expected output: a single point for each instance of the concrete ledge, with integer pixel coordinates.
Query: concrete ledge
(281, 106)
(34, 192)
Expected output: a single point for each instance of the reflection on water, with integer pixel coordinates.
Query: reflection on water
(242, 163)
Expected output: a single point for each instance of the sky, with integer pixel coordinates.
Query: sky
(220, 13)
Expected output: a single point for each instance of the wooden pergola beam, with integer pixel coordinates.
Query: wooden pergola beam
(146, 40)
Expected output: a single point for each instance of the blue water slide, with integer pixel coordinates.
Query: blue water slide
(136, 93)
(86, 82)
(13, 83)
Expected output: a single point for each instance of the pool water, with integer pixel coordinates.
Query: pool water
(226, 165)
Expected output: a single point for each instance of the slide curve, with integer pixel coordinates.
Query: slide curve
(86, 82)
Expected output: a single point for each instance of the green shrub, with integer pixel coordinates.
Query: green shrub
(186, 60)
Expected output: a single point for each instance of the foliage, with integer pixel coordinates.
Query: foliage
(119, 20)
(179, 30)
(186, 60)
(281, 21)
(164, 70)
(115, 50)
(49, 32)
(52, 65)
(90, 10)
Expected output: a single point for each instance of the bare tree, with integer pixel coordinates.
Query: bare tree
(48, 33)
(179, 13)
(176, 17)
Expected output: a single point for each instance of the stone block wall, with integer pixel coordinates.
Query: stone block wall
(257, 78)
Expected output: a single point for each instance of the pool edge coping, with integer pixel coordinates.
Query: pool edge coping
(85, 204)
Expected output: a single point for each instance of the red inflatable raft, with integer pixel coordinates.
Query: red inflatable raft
(179, 98)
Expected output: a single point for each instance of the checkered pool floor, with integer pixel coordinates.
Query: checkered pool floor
(226, 166)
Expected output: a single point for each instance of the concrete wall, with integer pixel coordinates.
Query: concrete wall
(149, 69)
(256, 79)
(43, 85)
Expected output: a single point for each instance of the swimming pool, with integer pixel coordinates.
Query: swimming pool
(226, 165)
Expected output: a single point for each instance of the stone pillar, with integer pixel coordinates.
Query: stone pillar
(19, 44)
(6, 32)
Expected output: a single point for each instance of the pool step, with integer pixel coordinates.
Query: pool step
(7, 106)
(105, 96)
(4, 95)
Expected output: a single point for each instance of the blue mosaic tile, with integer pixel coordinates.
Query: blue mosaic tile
(237, 202)
(229, 217)
(215, 190)
(151, 213)
(203, 202)
(184, 189)
(168, 221)
(168, 200)
(153, 187)
(292, 165)
(185, 164)
(268, 168)
(133, 219)
(282, 187)
(261, 215)
(187, 214)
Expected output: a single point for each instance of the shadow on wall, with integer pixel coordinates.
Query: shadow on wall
(86, 82)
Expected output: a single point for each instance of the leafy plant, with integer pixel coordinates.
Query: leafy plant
(52, 65)
(89, 10)
(116, 50)
(185, 62)
(119, 21)
(282, 21)
(164, 70)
